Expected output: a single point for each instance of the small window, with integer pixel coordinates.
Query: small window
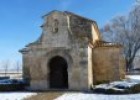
(55, 26)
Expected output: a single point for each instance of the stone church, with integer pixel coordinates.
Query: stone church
(70, 54)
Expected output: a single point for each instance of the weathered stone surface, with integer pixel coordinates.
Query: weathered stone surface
(72, 38)
(106, 64)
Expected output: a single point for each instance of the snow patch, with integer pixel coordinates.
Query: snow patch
(136, 77)
(15, 95)
(119, 84)
(84, 96)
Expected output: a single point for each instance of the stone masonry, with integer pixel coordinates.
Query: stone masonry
(70, 54)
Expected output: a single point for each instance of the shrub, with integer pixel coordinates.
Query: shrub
(135, 88)
(11, 87)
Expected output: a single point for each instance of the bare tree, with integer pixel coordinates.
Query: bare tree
(126, 31)
(18, 66)
(6, 66)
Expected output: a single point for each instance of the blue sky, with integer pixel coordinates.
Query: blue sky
(20, 20)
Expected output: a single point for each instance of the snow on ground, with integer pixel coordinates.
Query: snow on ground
(134, 79)
(84, 96)
(15, 95)
(75, 96)
(119, 85)
(137, 77)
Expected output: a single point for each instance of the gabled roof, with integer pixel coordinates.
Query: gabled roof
(104, 44)
(69, 13)
(51, 12)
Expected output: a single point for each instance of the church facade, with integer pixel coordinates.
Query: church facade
(70, 54)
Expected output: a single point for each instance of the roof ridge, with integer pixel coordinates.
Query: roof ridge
(68, 12)
(52, 12)
(71, 13)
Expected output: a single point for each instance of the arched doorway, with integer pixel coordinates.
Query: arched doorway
(58, 73)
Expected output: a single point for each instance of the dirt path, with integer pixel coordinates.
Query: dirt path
(50, 95)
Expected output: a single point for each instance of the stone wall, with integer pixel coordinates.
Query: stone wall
(107, 64)
(80, 27)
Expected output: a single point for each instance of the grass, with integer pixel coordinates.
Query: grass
(49, 95)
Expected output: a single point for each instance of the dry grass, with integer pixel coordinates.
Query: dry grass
(50, 95)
